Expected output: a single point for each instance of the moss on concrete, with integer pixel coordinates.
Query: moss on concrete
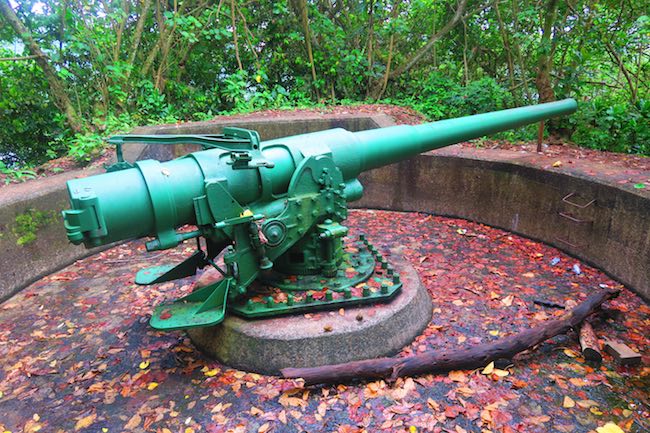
(27, 224)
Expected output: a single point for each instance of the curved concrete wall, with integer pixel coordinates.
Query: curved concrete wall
(601, 224)
(612, 232)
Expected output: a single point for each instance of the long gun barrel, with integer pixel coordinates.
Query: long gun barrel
(155, 198)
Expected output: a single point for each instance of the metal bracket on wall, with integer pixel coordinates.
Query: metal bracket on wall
(574, 219)
(568, 243)
(579, 206)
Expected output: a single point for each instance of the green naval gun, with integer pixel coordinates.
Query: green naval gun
(272, 211)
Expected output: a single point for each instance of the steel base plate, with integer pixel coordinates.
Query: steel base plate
(363, 277)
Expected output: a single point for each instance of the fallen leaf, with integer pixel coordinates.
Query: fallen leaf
(586, 404)
(322, 409)
(453, 411)
(465, 391)
(457, 376)
(595, 411)
(144, 365)
(488, 368)
(433, 404)
(568, 402)
(133, 422)
(610, 427)
(85, 421)
(507, 301)
(570, 353)
(152, 386)
(557, 164)
(576, 381)
(537, 420)
(256, 411)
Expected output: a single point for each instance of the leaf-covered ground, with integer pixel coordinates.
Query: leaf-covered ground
(78, 355)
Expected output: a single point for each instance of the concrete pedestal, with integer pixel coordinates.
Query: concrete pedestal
(268, 345)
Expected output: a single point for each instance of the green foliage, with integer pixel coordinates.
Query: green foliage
(618, 127)
(30, 122)
(149, 103)
(84, 147)
(15, 173)
(440, 97)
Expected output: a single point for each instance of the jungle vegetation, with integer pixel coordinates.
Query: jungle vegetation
(74, 71)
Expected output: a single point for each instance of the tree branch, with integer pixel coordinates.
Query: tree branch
(16, 59)
(417, 56)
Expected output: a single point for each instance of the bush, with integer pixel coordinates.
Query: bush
(83, 148)
(614, 126)
(441, 97)
(30, 121)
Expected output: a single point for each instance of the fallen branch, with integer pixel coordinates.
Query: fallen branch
(589, 345)
(549, 304)
(458, 359)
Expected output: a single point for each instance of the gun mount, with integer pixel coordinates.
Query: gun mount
(273, 211)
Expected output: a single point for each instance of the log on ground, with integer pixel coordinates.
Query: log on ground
(458, 359)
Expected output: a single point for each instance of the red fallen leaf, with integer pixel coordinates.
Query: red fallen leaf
(454, 411)
(165, 315)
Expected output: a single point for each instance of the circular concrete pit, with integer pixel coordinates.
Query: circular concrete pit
(321, 338)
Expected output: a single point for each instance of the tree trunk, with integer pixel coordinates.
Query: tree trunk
(371, 34)
(300, 7)
(507, 48)
(234, 34)
(520, 59)
(434, 361)
(545, 62)
(57, 88)
(380, 88)
(465, 62)
(137, 35)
